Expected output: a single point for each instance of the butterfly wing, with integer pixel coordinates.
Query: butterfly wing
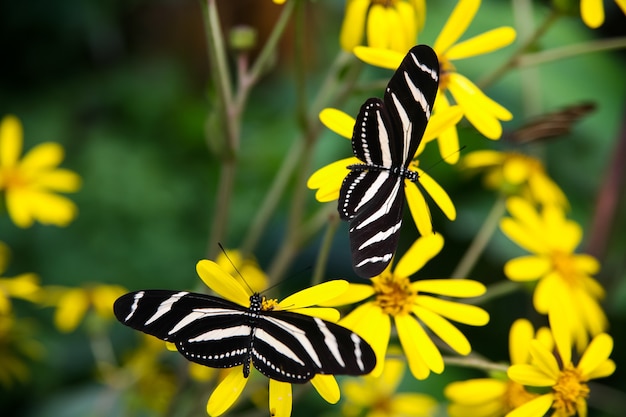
(293, 347)
(207, 330)
(385, 137)
(409, 99)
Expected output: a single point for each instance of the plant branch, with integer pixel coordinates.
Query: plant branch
(476, 248)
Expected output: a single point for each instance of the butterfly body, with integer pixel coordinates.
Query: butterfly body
(386, 136)
(211, 331)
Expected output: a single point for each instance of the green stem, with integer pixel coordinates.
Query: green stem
(266, 55)
(229, 119)
(329, 92)
(495, 291)
(476, 248)
(564, 52)
(475, 363)
(332, 223)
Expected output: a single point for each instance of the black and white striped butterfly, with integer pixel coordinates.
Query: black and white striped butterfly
(386, 135)
(218, 333)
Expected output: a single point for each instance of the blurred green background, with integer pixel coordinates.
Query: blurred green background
(124, 87)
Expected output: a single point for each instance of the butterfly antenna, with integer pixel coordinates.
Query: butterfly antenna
(445, 157)
(235, 268)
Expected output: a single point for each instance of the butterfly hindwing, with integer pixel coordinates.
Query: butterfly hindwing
(289, 345)
(386, 136)
(375, 229)
(211, 331)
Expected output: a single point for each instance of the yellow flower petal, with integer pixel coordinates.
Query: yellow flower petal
(596, 354)
(43, 156)
(481, 111)
(520, 335)
(327, 387)
(71, 309)
(408, 25)
(315, 294)
(592, 12)
(529, 375)
(450, 287)
(482, 159)
(457, 24)
(10, 141)
(339, 122)
(536, 407)
(419, 208)
(60, 180)
(481, 44)
(438, 125)
(421, 251)
(353, 25)
(383, 58)
(438, 194)
(561, 325)
(544, 361)
(527, 268)
(422, 354)
(280, 398)
(222, 283)
(354, 294)
(380, 22)
(605, 369)
(448, 139)
(444, 329)
(328, 180)
(522, 236)
(226, 392)
(475, 391)
(515, 171)
(462, 313)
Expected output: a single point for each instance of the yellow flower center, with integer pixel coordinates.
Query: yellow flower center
(516, 396)
(12, 179)
(269, 304)
(569, 391)
(565, 265)
(394, 294)
(445, 68)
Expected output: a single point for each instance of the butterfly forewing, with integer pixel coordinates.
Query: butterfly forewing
(386, 136)
(214, 332)
(204, 329)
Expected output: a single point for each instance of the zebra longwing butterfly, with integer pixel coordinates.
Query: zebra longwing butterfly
(386, 136)
(218, 333)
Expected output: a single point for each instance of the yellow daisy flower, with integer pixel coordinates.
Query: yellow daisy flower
(29, 185)
(413, 309)
(563, 276)
(72, 304)
(497, 395)
(378, 395)
(327, 180)
(280, 394)
(513, 173)
(592, 11)
(390, 24)
(482, 112)
(567, 383)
